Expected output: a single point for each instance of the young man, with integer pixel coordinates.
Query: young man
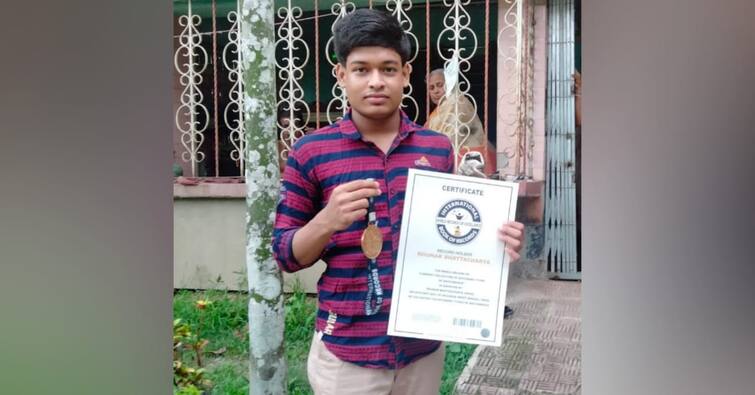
(335, 179)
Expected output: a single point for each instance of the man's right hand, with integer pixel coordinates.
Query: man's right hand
(348, 203)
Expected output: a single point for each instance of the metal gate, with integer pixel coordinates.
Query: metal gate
(560, 134)
(208, 91)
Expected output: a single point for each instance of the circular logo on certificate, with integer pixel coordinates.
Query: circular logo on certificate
(458, 222)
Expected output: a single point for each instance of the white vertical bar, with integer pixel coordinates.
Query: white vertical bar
(548, 137)
(569, 99)
(549, 127)
(572, 159)
(557, 119)
(559, 138)
(192, 114)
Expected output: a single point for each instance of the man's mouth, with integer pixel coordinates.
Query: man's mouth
(376, 99)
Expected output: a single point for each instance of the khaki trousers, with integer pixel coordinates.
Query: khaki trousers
(329, 375)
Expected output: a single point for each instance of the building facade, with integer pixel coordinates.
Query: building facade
(516, 59)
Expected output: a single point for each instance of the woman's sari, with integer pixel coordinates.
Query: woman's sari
(471, 136)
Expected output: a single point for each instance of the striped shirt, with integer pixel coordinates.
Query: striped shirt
(319, 162)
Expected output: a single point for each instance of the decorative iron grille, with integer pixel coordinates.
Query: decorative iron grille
(209, 88)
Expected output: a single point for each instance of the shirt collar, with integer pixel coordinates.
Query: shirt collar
(349, 129)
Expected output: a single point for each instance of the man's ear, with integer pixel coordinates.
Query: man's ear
(340, 74)
(406, 71)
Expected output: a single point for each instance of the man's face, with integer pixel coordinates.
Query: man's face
(437, 86)
(374, 81)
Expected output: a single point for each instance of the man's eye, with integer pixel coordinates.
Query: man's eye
(360, 69)
(390, 69)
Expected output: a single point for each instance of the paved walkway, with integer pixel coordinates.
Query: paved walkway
(541, 353)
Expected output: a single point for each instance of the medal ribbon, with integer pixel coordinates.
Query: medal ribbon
(374, 298)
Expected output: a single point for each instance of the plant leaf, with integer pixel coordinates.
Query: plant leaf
(220, 351)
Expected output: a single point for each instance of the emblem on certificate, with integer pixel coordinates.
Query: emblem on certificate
(451, 270)
(458, 222)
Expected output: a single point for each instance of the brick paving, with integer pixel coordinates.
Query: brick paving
(541, 353)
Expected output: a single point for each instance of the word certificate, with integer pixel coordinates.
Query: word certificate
(451, 270)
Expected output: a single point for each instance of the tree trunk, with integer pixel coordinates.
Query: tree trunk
(267, 373)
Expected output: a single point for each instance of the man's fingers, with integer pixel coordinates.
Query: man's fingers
(356, 215)
(513, 254)
(359, 194)
(510, 231)
(358, 184)
(356, 205)
(511, 242)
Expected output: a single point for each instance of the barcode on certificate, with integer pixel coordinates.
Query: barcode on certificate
(467, 323)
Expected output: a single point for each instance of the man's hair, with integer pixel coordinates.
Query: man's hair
(367, 28)
(440, 71)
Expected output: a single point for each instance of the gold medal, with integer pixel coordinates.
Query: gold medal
(372, 241)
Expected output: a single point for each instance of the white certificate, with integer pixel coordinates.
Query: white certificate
(451, 270)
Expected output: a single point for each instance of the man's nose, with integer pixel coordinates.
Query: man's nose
(376, 80)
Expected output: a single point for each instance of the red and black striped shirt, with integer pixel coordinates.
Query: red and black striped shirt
(319, 162)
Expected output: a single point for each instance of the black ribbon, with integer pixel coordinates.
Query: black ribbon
(374, 298)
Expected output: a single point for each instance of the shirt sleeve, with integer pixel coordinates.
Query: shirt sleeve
(297, 205)
(450, 158)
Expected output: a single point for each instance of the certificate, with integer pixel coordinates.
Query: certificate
(451, 270)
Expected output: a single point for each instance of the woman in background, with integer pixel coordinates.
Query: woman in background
(442, 119)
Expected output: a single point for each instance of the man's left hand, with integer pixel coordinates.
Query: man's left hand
(512, 233)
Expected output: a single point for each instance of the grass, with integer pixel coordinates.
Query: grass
(457, 356)
(226, 356)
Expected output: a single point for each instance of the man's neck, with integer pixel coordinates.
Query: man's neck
(377, 128)
(381, 132)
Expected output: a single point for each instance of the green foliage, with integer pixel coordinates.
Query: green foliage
(186, 377)
(188, 390)
(300, 324)
(457, 356)
(224, 325)
(225, 355)
(230, 377)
